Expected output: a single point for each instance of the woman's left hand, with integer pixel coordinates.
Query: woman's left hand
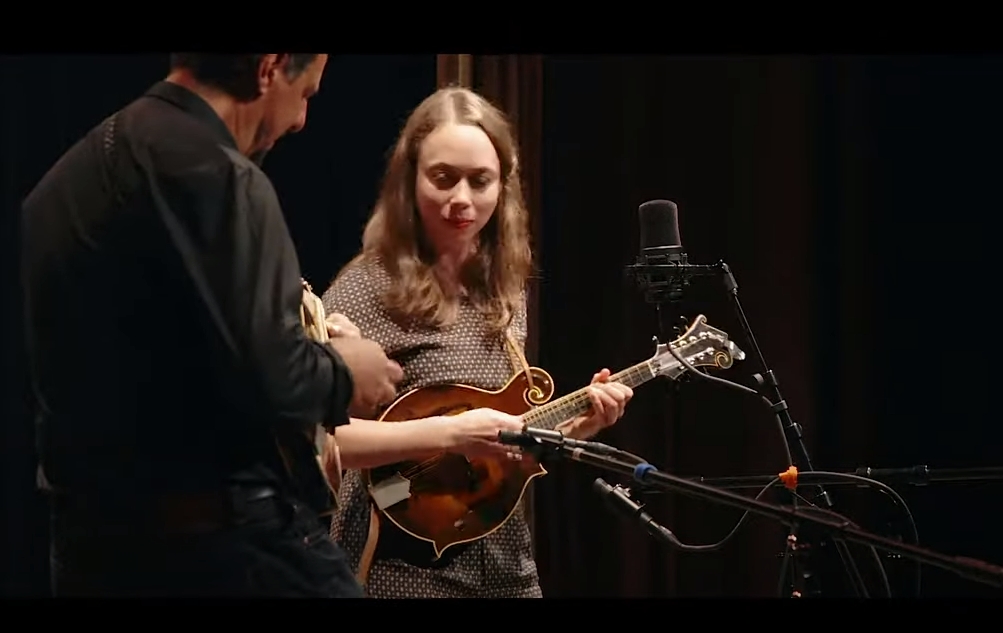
(609, 399)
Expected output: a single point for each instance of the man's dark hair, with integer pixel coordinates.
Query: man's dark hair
(235, 74)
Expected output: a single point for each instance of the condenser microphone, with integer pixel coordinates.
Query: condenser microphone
(662, 269)
(658, 221)
(661, 258)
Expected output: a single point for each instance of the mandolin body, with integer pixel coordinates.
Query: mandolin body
(454, 499)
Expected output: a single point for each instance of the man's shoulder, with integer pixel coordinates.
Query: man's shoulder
(180, 144)
(76, 163)
(240, 162)
(248, 173)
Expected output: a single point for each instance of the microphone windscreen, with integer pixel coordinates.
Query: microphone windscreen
(659, 224)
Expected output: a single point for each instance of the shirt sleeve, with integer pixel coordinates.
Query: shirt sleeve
(353, 294)
(236, 249)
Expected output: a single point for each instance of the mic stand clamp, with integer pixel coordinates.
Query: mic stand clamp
(618, 499)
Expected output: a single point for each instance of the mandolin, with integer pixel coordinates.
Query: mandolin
(449, 499)
(302, 450)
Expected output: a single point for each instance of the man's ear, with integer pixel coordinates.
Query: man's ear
(268, 69)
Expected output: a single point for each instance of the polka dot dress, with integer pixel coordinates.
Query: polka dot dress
(499, 565)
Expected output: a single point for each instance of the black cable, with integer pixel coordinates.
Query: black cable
(712, 547)
(734, 385)
(897, 499)
(686, 547)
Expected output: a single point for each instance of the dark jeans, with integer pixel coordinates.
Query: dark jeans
(271, 547)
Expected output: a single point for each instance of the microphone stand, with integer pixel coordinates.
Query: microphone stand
(668, 276)
(911, 475)
(663, 294)
(674, 300)
(879, 479)
(832, 523)
(799, 456)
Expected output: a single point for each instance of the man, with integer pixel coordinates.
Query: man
(168, 356)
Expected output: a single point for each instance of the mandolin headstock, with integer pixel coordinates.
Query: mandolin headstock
(701, 345)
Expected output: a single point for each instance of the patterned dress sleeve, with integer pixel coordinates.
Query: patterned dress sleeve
(357, 293)
(348, 294)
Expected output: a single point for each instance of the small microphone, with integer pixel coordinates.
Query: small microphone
(547, 435)
(619, 501)
(658, 221)
(531, 437)
(522, 440)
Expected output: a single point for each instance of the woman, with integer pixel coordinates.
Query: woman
(440, 285)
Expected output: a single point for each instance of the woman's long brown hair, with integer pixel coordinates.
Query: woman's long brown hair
(495, 277)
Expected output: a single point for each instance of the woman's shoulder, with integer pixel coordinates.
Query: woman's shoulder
(363, 277)
(358, 292)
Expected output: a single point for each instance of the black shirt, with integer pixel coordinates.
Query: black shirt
(162, 292)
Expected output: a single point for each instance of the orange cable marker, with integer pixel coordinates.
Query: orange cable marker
(790, 478)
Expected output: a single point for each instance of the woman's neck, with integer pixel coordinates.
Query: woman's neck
(449, 264)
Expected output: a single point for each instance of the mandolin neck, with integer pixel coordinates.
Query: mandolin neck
(552, 414)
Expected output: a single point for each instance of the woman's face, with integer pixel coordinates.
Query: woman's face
(457, 185)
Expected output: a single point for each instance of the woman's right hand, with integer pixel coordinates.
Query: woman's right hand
(474, 433)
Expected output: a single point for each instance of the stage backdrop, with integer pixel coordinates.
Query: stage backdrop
(847, 195)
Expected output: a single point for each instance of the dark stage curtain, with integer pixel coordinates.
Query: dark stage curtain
(847, 195)
(851, 197)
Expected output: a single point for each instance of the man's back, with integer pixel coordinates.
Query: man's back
(168, 356)
(141, 372)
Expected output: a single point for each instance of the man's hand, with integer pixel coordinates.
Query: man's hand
(375, 376)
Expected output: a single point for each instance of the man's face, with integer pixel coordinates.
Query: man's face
(284, 102)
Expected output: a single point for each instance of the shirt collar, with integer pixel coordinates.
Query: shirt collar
(194, 105)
